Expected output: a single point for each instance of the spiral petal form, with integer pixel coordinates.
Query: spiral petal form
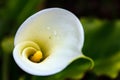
(48, 41)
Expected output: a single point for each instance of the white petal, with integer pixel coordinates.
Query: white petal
(57, 32)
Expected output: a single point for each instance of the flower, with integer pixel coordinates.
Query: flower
(48, 41)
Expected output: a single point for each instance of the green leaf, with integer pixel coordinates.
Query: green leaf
(102, 44)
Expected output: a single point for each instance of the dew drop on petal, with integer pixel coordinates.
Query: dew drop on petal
(55, 33)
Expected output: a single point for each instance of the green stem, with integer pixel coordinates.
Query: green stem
(90, 59)
(5, 68)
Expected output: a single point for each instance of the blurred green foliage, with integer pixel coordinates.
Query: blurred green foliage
(102, 44)
(7, 45)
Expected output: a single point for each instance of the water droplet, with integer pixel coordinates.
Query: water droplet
(55, 33)
(50, 37)
(48, 28)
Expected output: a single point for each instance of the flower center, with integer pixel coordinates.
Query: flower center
(36, 57)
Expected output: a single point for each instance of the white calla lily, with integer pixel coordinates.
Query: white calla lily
(48, 41)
